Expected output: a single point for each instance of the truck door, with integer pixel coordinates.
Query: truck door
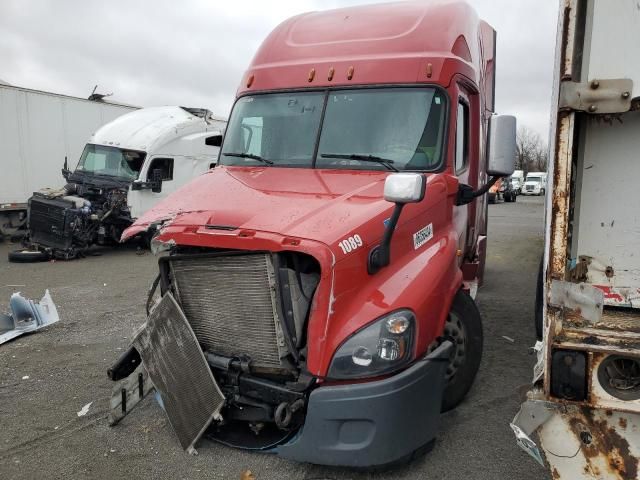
(466, 167)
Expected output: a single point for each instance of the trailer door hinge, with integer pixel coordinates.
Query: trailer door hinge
(597, 96)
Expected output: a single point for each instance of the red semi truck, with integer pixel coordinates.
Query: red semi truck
(316, 286)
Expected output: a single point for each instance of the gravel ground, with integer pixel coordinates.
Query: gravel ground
(101, 303)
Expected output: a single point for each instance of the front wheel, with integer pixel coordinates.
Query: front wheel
(464, 328)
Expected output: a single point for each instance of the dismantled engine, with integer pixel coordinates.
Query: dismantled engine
(66, 222)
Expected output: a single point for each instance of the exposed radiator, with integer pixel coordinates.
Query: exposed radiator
(179, 371)
(230, 303)
(50, 221)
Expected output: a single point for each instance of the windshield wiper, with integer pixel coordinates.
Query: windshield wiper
(248, 155)
(388, 163)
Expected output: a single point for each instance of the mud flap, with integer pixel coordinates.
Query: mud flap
(179, 371)
(26, 316)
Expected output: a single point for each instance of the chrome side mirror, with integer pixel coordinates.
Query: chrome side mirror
(399, 188)
(404, 187)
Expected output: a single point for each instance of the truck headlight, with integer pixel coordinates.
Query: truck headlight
(381, 347)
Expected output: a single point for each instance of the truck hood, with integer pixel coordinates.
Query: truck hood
(314, 204)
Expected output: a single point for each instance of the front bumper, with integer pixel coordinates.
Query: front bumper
(375, 423)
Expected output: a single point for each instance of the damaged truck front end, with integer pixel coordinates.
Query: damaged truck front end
(244, 315)
(316, 286)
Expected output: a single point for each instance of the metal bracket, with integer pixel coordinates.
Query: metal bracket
(597, 96)
(533, 413)
(583, 300)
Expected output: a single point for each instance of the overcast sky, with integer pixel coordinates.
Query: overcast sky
(193, 52)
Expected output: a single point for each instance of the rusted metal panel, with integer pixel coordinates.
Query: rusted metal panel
(623, 398)
(580, 303)
(608, 227)
(581, 443)
(621, 296)
(591, 263)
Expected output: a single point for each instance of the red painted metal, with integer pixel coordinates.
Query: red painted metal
(312, 210)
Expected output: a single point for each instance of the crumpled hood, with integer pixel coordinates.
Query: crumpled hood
(314, 204)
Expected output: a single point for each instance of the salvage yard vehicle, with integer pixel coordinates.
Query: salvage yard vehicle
(502, 190)
(507, 191)
(37, 130)
(585, 403)
(535, 183)
(315, 288)
(126, 167)
(517, 181)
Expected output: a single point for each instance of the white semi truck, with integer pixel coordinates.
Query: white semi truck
(125, 168)
(535, 183)
(585, 402)
(37, 131)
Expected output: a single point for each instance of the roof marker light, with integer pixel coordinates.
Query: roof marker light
(429, 70)
(312, 73)
(350, 73)
(331, 72)
(249, 81)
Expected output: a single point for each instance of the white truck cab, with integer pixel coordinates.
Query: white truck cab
(127, 166)
(178, 144)
(517, 181)
(535, 183)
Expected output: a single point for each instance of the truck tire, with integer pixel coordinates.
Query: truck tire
(24, 255)
(464, 328)
(539, 299)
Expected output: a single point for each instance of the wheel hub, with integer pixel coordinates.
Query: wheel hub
(454, 331)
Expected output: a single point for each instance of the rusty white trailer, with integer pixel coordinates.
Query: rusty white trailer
(585, 403)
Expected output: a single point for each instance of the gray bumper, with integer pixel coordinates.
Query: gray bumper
(375, 423)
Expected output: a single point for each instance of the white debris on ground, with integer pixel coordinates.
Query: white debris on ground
(84, 410)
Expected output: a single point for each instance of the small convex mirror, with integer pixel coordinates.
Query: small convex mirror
(502, 145)
(404, 187)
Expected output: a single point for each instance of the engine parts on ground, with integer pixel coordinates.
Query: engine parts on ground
(26, 316)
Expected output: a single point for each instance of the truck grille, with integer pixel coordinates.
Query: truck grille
(48, 222)
(230, 303)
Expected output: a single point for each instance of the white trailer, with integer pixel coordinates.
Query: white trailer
(126, 167)
(585, 403)
(37, 131)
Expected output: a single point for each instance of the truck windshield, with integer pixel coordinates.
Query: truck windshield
(363, 129)
(111, 161)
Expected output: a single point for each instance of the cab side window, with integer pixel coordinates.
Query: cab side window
(462, 136)
(165, 165)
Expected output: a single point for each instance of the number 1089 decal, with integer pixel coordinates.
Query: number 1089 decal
(350, 244)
